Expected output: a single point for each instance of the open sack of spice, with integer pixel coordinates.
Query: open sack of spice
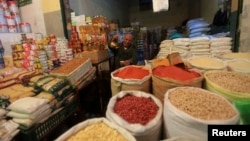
(131, 78)
(138, 112)
(167, 77)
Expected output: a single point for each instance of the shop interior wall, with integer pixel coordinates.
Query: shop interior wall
(112, 9)
(179, 11)
(44, 16)
(244, 45)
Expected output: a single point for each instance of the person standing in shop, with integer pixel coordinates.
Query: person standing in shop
(125, 53)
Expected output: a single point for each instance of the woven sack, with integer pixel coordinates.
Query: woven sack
(161, 85)
(119, 84)
(228, 94)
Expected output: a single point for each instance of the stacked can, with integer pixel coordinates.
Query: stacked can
(12, 16)
(29, 53)
(74, 41)
(42, 64)
(50, 51)
(3, 22)
(17, 55)
(62, 43)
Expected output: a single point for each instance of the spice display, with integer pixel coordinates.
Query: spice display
(97, 132)
(201, 104)
(136, 109)
(175, 73)
(132, 73)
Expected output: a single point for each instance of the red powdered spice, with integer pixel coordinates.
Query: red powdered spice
(136, 109)
(132, 72)
(174, 72)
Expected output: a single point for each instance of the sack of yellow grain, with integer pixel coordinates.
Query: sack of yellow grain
(96, 129)
(159, 61)
(231, 85)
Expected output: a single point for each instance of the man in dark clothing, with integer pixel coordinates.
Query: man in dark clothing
(125, 53)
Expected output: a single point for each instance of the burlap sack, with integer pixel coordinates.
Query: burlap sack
(161, 85)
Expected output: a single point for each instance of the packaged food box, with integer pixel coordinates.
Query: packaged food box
(74, 69)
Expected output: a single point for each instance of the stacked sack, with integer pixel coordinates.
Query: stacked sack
(181, 45)
(29, 111)
(197, 27)
(200, 46)
(54, 89)
(220, 45)
(9, 129)
(138, 112)
(165, 48)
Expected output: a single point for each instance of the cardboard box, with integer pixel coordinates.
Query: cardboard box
(94, 56)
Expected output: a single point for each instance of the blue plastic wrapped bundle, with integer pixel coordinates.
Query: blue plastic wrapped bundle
(197, 27)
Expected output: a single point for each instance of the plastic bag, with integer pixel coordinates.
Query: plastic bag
(243, 108)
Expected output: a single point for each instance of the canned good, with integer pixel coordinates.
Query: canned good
(25, 27)
(13, 6)
(12, 28)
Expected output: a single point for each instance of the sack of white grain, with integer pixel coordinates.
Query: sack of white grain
(131, 78)
(96, 129)
(138, 112)
(235, 55)
(231, 85)
(167, 77)
(189, 110)
(239, 65)
(205, 63)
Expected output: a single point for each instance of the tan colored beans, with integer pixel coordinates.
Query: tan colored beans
(233, 81)
(201, 104)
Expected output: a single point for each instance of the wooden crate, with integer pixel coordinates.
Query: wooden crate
(94, 56)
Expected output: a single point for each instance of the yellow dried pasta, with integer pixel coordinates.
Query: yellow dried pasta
(97, 132)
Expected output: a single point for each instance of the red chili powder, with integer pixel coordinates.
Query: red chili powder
(132, 72)
(175, 73)
(136, 109)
